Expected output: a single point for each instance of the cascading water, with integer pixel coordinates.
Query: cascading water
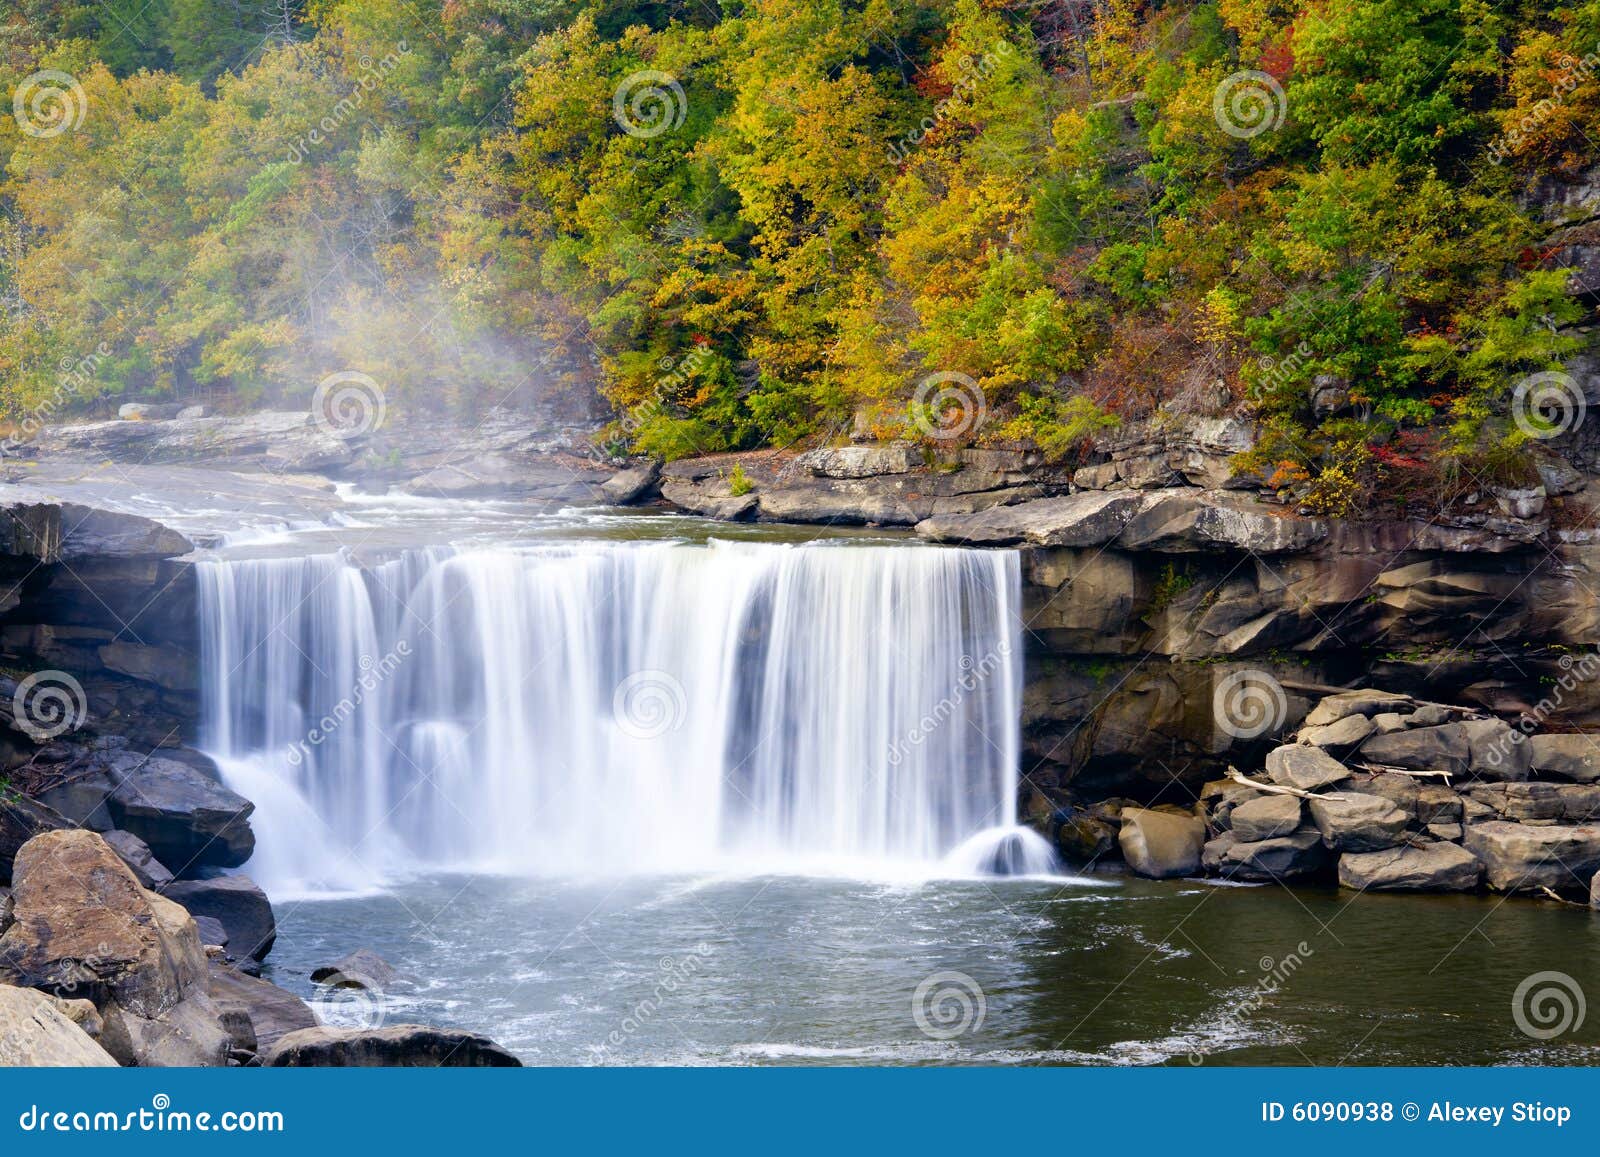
(605, 707)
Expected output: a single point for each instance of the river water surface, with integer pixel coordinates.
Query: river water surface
(798, 970)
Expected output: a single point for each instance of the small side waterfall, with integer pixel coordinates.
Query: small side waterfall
(603, 707)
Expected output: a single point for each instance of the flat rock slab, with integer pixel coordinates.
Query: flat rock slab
(1431, 868)
(1523, 857)
(1306, 768)
(1265, 818)
(1283, 858)
(1359, 823)
(1183, 521)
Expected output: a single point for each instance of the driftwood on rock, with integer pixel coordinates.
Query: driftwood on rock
(1389, 769)
(1279, 789)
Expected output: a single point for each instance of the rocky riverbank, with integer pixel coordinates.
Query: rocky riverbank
(1380, 792)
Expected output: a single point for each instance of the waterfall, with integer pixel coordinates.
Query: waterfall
(617, 706)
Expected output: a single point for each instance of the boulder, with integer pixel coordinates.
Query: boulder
(1594, 891)
(1160, 844)
(400, 1045)
(273, 1011)
(1520, 857)
(187, 817)
(1344, 704)
(631, 484)
(1265, 818)
(1342, 736)
(1358, 823)
(1282, 858)
(1428, 868)
(1443, 748)
(1494, 750)
(211, 931)
(83, 927)
(1574, 757)
(1306, 768)
(36, 1032)
(1401, 790)
(362, 968)
(140, 860)
(237, 904)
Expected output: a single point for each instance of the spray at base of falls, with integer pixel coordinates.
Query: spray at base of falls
(594, 707)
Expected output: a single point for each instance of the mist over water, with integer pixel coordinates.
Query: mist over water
(601, 707)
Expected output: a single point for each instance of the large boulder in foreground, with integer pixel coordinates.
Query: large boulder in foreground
(35, 1032)
(83, 927)
(399, 1045)
(1161, 844)
(1519, 857)
(1430, 868)
(237, 904)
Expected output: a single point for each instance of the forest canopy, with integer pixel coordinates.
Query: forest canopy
(748, 223)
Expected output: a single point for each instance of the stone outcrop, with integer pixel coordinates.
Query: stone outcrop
(400, 1045)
